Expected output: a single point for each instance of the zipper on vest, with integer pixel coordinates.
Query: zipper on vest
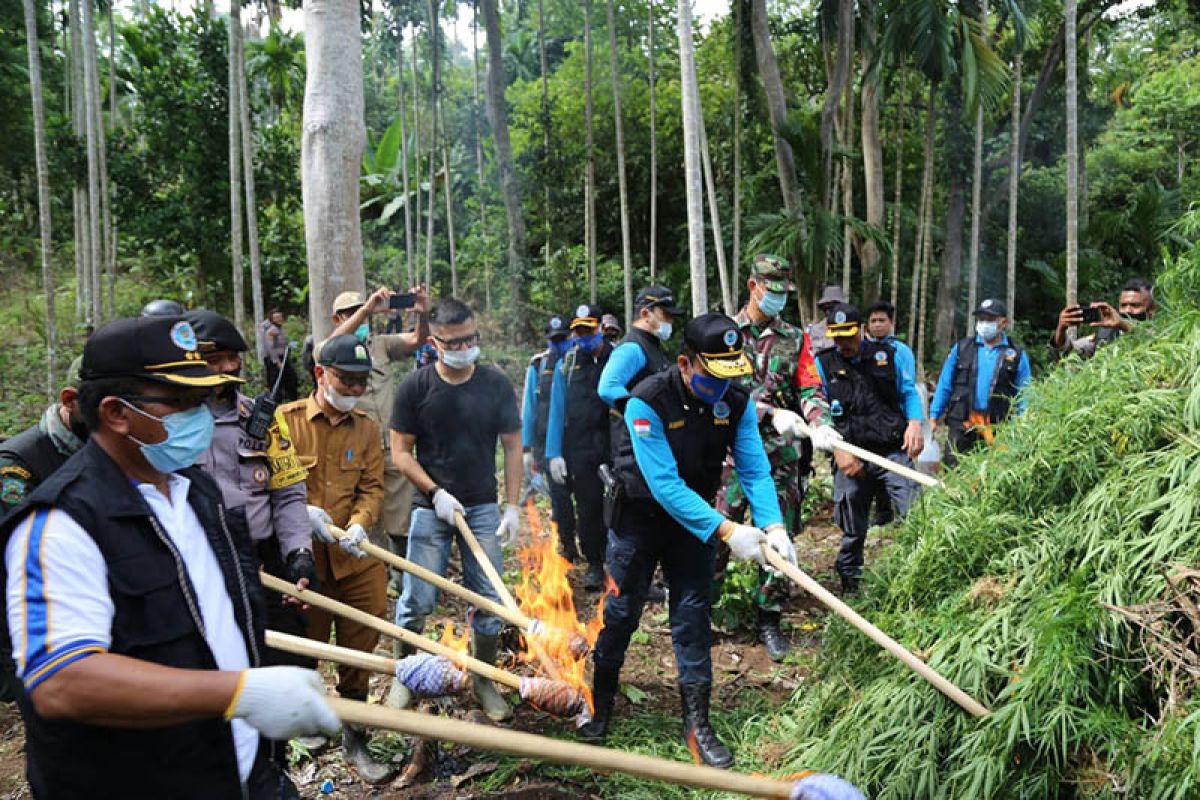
(241, 579)
(184, 583)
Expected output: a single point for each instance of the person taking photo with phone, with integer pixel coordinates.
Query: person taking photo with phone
(1136, 304)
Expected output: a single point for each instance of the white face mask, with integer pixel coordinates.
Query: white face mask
(663, 331)
(460, 359)
(988, 329)
(341, 402)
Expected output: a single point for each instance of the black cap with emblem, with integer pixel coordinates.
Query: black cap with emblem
(556, 327)
(346, 353)
(842, 320)
(162, 349)
(587, 316)
(657, 297)
(991, 307)
(215, 332)
(717, 342)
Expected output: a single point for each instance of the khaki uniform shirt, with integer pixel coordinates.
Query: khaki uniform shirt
(345, 473)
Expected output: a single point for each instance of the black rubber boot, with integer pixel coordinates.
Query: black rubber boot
(769, 634)
(354, 748)
(849, 585)
(698, 734)
(593, 581)
(493, 703)
(604, 694)
(399, 695)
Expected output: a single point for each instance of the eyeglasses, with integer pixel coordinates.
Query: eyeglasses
(347, 379)
(460, 343)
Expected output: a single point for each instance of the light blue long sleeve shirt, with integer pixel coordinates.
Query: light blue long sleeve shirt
(557, 420)
(657, 462)
(986, 359)
(529, 405)
(906, 380)
(623, 364)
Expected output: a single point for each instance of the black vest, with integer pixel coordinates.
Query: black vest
(585, 433)
(863, 400)
(156, 619)
(700, 435)
(544, 363)
(962, 392)
(36, 453)
(656, 362)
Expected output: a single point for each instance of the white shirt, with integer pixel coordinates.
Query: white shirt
(59, 608)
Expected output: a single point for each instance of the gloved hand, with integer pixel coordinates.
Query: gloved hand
(527, 463)
(355, 535)
(745, 543)
(320, 522)
(282, 703)
(824, 437)
(510, 524)
(445, 506)
(558, 469)
(779, 541)
(784, 422)
(300, 566)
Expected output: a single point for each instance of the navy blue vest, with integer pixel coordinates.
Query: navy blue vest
(863, 400)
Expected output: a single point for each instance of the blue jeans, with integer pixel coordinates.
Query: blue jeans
(429, 541)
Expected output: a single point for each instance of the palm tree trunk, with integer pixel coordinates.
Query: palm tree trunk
(872, 156)
(544, 67)
(897, 208)
(626, 256)
(976, 190)
(653, 152)
(1071, 32)
(434, 79)
(405, 185)
(43, 180)
(112, 68)
(690, 99)
(417, 270)
(95, 135)
(737, 147)
(487, 264)
(590, 177)
(922, 218)
(247, 133)
(714, 213)
(331, 154)
(847, 188)
(498, 117)
(83, 249)
(1014, 178)
(768, 69)
(448, 193)
(238, 277)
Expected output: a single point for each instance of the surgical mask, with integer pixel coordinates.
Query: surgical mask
(342, 402)
(771, 303)
(1140, 316)
(987, 329)
(663, 331)
(590, 344)
(189, 435)
(460, 359)
(362, 332)
(709, 389)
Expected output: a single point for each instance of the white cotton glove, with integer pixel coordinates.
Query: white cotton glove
(510, 524)
(527, 463)
(445, 506)
(784, 422)
(824, 437)
(745, 542)
(779, 541)
(320, 522)
(558, 469)
(282, 703)
(355, 535)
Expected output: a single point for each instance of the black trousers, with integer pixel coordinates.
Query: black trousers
(586, 487)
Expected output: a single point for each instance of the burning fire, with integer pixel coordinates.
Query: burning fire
(460, 643)
(544, 594)
(979, 423)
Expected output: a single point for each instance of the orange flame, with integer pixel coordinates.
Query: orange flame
(978, 422)
(694, 746)
(453, 641)
(544, 594)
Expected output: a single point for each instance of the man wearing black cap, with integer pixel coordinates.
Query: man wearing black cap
(980, 380)
(640, 354)
(339, 446)
(134, 600)
(535, 417)
(680, 425)
(577, 435)
(874, 404)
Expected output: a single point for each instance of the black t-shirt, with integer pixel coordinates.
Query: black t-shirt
(456, 427)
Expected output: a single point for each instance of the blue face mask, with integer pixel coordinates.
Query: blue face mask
(772, 303)
(709, 389)
(590, 344)
(362, 332)
(189, 435)
(559, 347)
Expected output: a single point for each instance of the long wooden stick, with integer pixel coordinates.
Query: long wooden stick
(847, 613)
(878, 460)
(543, 748)
(389, 629)
(323, 651)
(485, 563)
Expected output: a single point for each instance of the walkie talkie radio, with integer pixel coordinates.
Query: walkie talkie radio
(263, 412)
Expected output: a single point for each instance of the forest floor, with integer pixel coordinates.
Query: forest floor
(747, 684)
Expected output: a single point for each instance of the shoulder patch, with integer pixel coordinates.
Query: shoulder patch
(641, 427)
(13, 490)
(15, 470)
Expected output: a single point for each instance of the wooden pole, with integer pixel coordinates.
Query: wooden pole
(543, 748)
(880, 461)
(485, 563)
(389, 629)
(847, 613)
(302, 646)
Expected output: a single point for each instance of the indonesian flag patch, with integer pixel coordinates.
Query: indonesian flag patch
(641, 427)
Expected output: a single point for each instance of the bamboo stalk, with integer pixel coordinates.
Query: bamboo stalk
(878, 460)
(389, 629)
(543, 748)
(323, 651)
(847, 613)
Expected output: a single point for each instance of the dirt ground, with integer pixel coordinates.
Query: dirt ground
(740, 664)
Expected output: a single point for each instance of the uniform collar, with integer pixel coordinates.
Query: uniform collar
(312, 410)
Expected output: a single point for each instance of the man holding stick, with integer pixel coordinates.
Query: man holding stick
(445, 426)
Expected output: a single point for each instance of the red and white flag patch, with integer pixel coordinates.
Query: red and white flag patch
(641, 427)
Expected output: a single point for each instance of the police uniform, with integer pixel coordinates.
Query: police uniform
(670, 472)
(578, 431)
(535, 418)
(872, 398)
(978, 385)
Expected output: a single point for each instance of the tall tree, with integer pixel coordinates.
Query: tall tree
(544, 70)
(768, 69)
(81, 197)
(498, 117)
(247, 134)
(487, 265)
(43, 181)
(614, 63)
(417, 269)
(839, 82)
(1071, 30)
(897, 208)
(435, 78)
(238, 277)
(976, 189)
(653, 148)
(402, 107)
(1014, 178)
(923, 218)
(95, 153)
(590, 173)
(737, 143)
(714, 214)
(690, 101)
(872, 149)
(331, 154)
(449, 195)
